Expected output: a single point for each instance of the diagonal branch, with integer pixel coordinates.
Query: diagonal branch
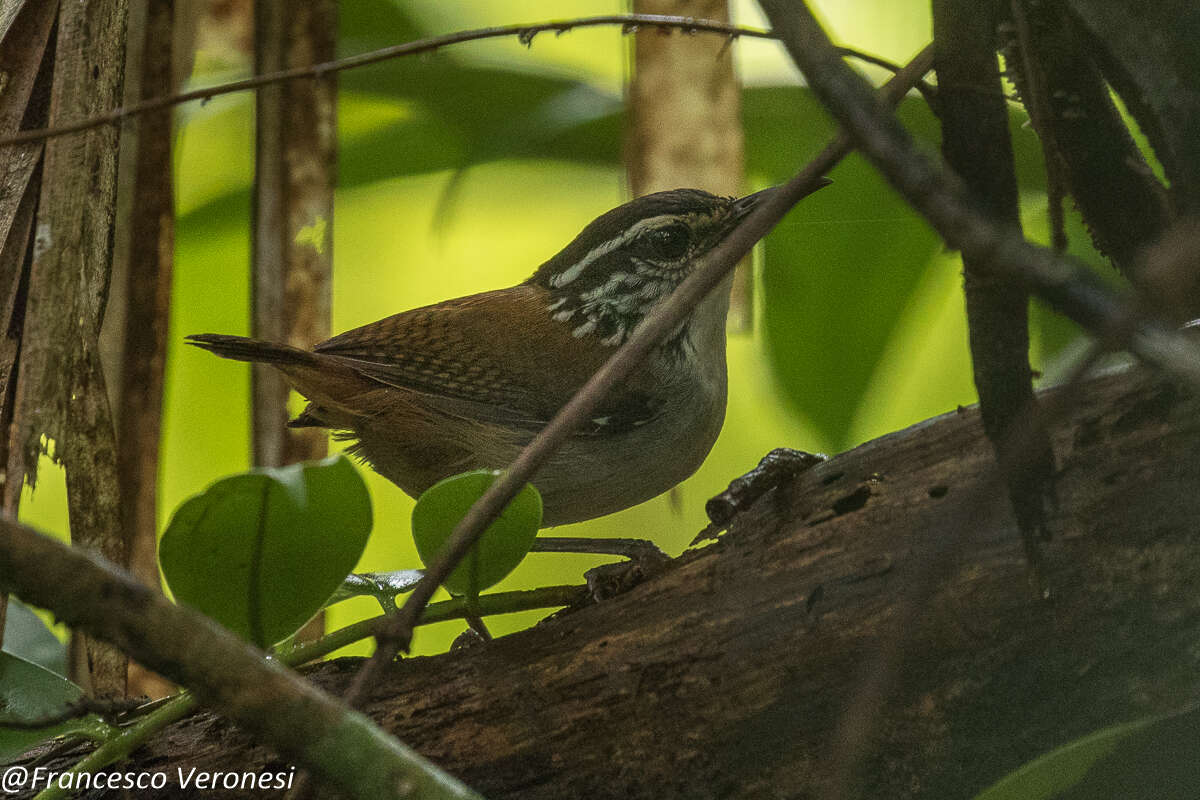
(260, 695)
(654, 329)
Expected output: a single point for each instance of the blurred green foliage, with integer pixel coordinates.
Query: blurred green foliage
(464, 170)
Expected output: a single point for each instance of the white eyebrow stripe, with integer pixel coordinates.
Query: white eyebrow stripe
(604, 248)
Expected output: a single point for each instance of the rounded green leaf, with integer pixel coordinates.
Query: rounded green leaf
(261, 552)
(503, 544)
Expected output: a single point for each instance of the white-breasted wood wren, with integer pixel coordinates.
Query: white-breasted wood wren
(466, 383)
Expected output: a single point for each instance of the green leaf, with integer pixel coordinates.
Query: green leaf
(1151, 759)
(837, 278)
(503, 544)
(27, 637)
(30, 692)
(261, 552)
(839, 270)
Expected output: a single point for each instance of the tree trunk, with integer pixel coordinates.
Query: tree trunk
(60, 392)
(729, 673)
(685, 119)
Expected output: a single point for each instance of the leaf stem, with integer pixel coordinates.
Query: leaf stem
(454, 608)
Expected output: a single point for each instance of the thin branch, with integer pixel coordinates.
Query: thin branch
(927, 90)
(455, 608)
(525, 32)
(707, 274)
(632, 549)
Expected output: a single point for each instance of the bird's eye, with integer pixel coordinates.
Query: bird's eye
(669, 242)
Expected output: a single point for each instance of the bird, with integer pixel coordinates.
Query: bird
(464, 384)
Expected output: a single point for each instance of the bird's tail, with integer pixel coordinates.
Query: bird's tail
(241, 348)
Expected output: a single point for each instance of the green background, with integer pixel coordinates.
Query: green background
(464, 170)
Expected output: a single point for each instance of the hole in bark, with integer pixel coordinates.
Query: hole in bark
(1156, 408)
(1088, 433)
(853, 501)
(938, 492)
(814, 597)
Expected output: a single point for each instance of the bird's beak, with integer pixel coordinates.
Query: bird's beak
(744, 205)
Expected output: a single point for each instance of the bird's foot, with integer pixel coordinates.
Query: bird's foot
(776, 467)
(608, 580)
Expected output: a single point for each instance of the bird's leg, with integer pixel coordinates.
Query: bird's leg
(633, 549)
(476, 623)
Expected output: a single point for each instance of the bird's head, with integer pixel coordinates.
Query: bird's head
(609, 277)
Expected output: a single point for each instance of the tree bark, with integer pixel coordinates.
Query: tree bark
(60, 401)
(727, 674)
(24, 37)
(295, 174)
(137, 317)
